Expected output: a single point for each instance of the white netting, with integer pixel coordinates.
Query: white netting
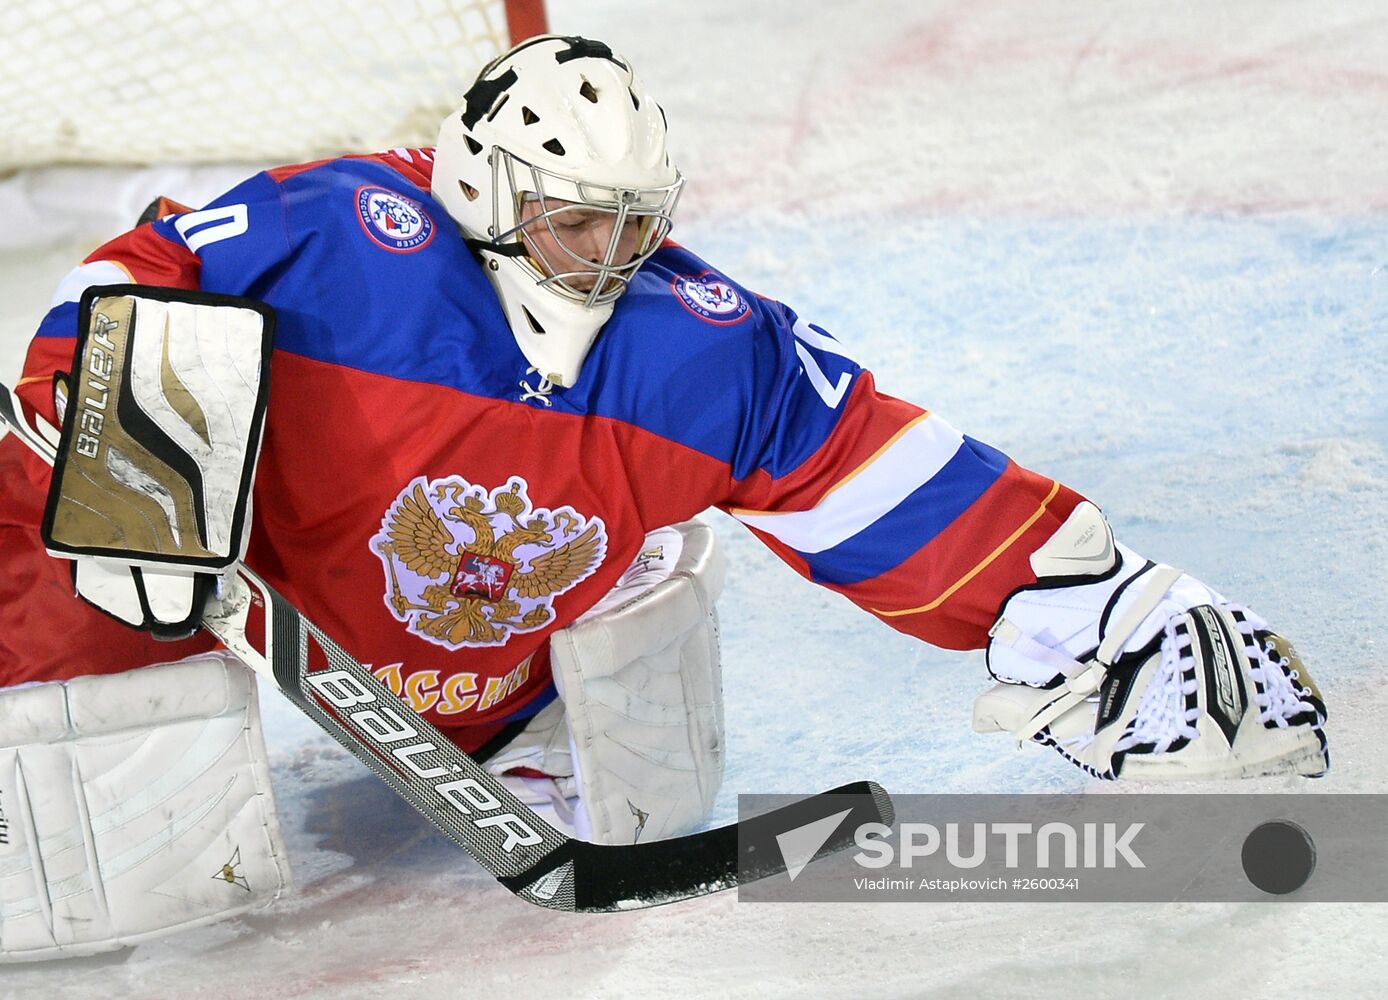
(1167, 712)
(159, 81)
(1279, 692)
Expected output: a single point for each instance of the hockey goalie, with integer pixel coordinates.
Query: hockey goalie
(463, 406)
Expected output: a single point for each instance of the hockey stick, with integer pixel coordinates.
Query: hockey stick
(461, 798)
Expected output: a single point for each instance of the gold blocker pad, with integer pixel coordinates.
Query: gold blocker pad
(162, 428)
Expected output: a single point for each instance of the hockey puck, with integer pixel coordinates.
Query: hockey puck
(1279, 857)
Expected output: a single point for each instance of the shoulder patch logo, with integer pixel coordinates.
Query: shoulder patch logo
(711, 298)
(465, 566)
(394, 222)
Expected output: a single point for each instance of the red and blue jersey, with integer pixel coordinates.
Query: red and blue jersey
(425, 501)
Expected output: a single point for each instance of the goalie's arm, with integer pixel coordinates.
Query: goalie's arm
(1125, 666)
(877, 499)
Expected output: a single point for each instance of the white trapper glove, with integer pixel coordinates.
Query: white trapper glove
(1135, 669)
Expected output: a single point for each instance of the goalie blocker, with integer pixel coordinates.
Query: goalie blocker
(151, 490)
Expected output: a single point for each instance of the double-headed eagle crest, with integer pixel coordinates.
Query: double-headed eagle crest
(466, 567)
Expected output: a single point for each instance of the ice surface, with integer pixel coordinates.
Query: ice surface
(1142, 247)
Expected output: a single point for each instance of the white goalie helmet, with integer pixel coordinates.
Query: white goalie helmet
(556, 170)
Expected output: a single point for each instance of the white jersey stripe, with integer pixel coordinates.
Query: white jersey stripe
(875, 489)
(78, 280)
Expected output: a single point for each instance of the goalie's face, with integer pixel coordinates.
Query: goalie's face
(582, 249)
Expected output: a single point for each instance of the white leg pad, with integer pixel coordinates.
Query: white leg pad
(133, 805)
(641, 683)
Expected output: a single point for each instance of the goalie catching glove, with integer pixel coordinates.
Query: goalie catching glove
(1134, 669)
(150, 494)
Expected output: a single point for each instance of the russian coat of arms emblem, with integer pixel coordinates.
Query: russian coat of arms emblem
(468, 566)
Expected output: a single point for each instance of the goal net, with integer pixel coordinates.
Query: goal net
(197, 81)
(106, 104)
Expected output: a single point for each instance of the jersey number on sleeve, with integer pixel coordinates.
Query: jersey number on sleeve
(212, 225)
(805, 334)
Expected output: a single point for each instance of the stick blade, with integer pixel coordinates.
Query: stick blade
(611, 878)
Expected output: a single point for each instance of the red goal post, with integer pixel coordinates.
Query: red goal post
(525, 19)
(185, 81)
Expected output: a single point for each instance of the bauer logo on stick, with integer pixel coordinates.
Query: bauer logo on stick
(397, 223)
(711, 298)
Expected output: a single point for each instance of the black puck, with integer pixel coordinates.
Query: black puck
(1279, 857)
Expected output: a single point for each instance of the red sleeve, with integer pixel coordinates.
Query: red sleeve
(925, 528)
(150, 259)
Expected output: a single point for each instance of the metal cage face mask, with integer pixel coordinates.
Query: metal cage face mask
(548, 213)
